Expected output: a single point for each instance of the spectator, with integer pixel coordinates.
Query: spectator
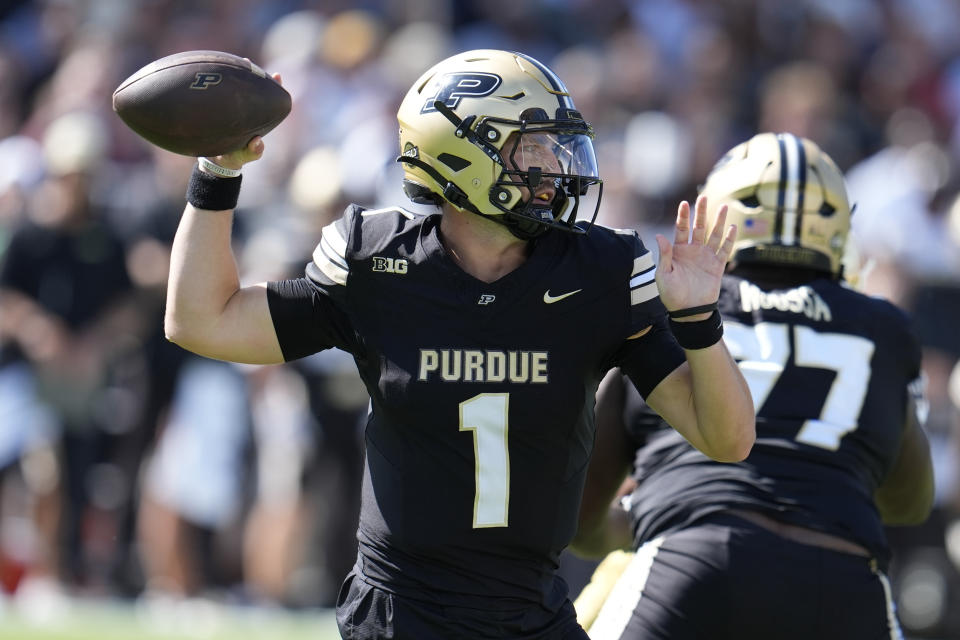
(66, 296)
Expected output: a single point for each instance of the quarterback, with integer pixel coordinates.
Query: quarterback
(482, 332)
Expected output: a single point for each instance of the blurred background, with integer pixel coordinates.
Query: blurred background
(158, 493)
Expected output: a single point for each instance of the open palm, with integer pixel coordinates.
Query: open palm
(690, 269)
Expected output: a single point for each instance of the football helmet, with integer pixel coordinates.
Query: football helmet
(496, 133)
(788, 200)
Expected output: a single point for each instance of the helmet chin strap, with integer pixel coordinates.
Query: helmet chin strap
(451, 192)
(524, 225)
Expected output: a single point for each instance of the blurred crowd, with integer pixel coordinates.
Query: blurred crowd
(130, 468)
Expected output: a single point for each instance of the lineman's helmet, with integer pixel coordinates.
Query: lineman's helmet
(788, 200)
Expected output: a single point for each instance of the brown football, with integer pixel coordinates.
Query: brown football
(201, 103)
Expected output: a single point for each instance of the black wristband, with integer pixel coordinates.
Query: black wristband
(209, 192)
(700, 334)
(692, 311)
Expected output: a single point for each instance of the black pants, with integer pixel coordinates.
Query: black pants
(726, 578)
(365, 612)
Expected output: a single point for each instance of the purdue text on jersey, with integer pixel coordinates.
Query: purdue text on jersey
(471, 365)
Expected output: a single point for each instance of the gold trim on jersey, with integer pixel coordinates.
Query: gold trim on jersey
(330, 254)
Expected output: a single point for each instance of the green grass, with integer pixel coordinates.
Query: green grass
(171, 621)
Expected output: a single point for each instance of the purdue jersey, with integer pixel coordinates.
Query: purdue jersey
(830, 371)
(482, 394)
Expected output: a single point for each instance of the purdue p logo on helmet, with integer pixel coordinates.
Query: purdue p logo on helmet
(788, 200)
(487, 131)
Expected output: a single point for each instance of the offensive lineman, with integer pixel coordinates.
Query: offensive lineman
(788, 543)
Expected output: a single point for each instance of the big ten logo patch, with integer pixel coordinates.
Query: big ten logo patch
(203, 79)
(389, 265)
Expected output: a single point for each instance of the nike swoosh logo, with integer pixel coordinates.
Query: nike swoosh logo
(549, 299)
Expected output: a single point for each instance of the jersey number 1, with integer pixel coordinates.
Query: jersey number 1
(486, 416)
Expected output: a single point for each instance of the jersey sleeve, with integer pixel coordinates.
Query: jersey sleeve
(311, 313)
(652, 357)
(330, 269)
(910, 356)
(649, 359)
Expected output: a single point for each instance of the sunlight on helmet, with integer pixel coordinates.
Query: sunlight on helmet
(497, 134)
(788, 200)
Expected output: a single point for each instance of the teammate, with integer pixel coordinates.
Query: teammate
(481, 333)
(790, 542)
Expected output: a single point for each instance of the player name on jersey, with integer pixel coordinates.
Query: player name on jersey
(800, 300)
(474, 365)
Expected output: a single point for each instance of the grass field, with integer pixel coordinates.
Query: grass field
(170, 621)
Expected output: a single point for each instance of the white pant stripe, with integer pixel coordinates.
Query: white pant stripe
(896, 633)
(626, 593)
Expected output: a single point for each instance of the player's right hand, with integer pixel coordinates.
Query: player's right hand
(236, 159)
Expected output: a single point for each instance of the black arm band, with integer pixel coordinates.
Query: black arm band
(700, 334)
(209, 192)
(692, 311)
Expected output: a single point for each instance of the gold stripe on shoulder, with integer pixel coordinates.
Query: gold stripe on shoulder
(334, 239)
(642, 263)
(644, 293)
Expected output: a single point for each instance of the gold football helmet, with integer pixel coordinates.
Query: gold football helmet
(496, 133)
(788, 200)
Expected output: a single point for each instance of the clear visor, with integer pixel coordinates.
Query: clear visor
(556, 153)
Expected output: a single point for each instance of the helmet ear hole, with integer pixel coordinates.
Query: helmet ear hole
(751, 201)
(827, 210)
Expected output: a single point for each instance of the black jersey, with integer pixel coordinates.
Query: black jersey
(482, 395)
(830, 370)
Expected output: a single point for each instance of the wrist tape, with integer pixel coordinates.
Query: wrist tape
(692, 311)
(212, 167)
(205, 191)
(700, 334)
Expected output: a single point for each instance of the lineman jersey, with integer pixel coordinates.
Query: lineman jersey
(482, 395)
(829, 370)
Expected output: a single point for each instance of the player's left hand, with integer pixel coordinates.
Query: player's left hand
(690, 269)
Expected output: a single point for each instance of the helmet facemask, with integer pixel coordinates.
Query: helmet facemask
(554, 162)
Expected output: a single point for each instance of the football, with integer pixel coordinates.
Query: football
(201, 103)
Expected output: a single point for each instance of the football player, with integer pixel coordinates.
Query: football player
(788, 543)
(482, 333)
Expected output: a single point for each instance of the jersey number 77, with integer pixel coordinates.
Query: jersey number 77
(764, 350)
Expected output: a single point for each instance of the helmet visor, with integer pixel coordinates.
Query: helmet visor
(555, 153)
